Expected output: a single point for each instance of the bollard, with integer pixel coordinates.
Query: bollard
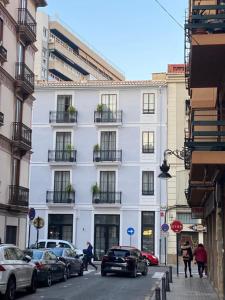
(167, 282)
(157, 293)
(171, 274)
(163, 288)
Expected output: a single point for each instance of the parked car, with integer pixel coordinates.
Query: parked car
(49, 267)
(16, 272)
(123, 259)
(74, 263)
(52, 243)
(152, 260)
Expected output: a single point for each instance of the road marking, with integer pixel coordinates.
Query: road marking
(89, 271)
(158, 275)
(98, 273)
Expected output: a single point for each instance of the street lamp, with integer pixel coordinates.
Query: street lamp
(165, 167)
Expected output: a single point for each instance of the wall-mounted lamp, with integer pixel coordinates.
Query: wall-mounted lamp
(165, 167)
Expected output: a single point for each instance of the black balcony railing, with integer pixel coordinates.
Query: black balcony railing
(62, 155)
(148, 149)
(27, 20)
(108, 116)
(18, 195)
(107, 155)
(107, 198)
(62, 197)
(1, 119)
(3, 54)
(22, 134)
(62, 117)
(25, 75)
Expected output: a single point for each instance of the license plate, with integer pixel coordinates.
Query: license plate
(116, 268)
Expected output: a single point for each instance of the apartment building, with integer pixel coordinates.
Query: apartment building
(205, 74)
(62, 56)
(96, 171)
(17, 50)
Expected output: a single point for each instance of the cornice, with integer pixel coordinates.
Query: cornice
(7, 18)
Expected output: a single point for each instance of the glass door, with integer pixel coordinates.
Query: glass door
(63, 103)
(61, 181)
(108, 145)
(107, 186)
(109, 102)
(63, 143)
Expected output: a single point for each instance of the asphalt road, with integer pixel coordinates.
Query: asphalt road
(94, 287)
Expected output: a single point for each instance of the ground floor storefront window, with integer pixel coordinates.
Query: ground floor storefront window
(148, 231)
(11, 233)
(60, 227)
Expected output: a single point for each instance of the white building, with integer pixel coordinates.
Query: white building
(131, 132)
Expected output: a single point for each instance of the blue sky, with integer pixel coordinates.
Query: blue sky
(136, 35)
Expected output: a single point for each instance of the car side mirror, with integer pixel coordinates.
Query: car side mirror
(27, 258)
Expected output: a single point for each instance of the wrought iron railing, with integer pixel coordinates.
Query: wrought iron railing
(22, 133)
(1, 118)
(18, 195)
(62, 155)
(107, 155)
(107, 198)
(148, 149)
(62, 197)
(26, 19)
(62, 117)
(108, 116)
(23, 73)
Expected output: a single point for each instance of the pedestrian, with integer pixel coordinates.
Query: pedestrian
(187, 257)
(200, 258)
(88, 255)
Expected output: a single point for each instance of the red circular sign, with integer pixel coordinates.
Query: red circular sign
(176, 226)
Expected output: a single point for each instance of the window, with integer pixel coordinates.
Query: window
(147, 183)
(61, 180)
(148, 231)
(63, 102)
(109, 101)
(45, 32)
(148, 103)
(1, 31)
(148, 142)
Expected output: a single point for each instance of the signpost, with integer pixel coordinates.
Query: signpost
(130, 232)
(38, 223)
(164, 232)
(31, 215)
(177, 227)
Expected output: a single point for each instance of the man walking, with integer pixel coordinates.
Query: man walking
(187, 257)
(200, 258)
(88, 257)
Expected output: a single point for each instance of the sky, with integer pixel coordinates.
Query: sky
(137, 36)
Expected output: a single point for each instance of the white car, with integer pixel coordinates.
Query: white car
(16, 272)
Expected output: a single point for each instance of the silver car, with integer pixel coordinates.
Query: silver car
(16, 272)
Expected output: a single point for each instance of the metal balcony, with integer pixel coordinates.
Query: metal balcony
(62, 117)
(60, 197)
(24, 79)
(107, 198)
(18, 195)
(22, 136)
(107, 156)
(148, 149)
(62, 156)
(1, 119)
(26, 26)
(3, 54)
(108, 116)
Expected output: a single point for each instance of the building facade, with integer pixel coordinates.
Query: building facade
(63, 56)
(17, 50)
(205, 159)
(95, 172)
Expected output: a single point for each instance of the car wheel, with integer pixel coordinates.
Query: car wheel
(49, 279)
(64, 275)
(11, 289)
(148, 262)
(33, 286)
(134, 273)
(68, 272)
(81, 272)
(145, 272)
(103, 273)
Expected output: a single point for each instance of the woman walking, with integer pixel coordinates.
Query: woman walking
(200, 258)
(187, 257)
(88, 257)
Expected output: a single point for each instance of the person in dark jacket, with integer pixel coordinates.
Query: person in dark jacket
(88, 257)
(200, 258)
(187, 257)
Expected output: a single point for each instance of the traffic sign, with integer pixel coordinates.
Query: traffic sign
(198, 227)
(31, 213)
(38, 222)
(164, 233)
(176, 226)
(165, 227)
(130, 230)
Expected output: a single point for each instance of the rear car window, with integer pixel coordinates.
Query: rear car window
(51, 244)
(63, 245)
(10, 254)
(119, 253)
(37, 254)
(58, 251)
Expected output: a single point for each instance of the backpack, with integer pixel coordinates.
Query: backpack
(186, 254)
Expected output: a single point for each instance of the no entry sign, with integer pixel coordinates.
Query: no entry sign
(176, 226)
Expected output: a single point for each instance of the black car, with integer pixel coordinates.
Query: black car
(74, 264)
(126, 260)
(49, 267)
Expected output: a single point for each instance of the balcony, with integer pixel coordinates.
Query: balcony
(3, 54)
(62, 156)
(107, 199)
(21, 137)
(197, 194)
(26, 27)
(24, 80)
(1, 119)
(107, 157)
(148, 149)
(108, 118)
(18, 195)
(62, 118)
(60, 197)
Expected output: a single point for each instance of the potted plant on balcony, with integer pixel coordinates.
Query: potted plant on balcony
(97, 153)
(96, 193)
(69, 152)
(99, 109)
(69, 190)
(71, 110)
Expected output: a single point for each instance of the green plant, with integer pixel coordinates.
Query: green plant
(71, 109)
(69, 188)
(95, 189)
(100, 107)
(69, 147)
(96, 147)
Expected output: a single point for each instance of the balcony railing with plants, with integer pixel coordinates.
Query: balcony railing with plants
(60, 197)
(3, 54)
(69, 116)
(22, 134)
(25, 75)
(18, 195)
(27, 20)
(99, 197)
(67, 155)
(1, 119)
(107, 116)
(107, 155)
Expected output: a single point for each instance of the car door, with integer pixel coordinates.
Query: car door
(73, 260)
(57, 265)
(51, 265)
(27, 268)
(141, 261)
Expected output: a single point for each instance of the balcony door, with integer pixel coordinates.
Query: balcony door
(63, 103)
(109, 102)
(63, 142)
(107, 186)
(108, 145)
(61, 181)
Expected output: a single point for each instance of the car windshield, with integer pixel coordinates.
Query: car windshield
(57, 251)
(36, 254)
(119, 253)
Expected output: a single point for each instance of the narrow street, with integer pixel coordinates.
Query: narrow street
(94, 287)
